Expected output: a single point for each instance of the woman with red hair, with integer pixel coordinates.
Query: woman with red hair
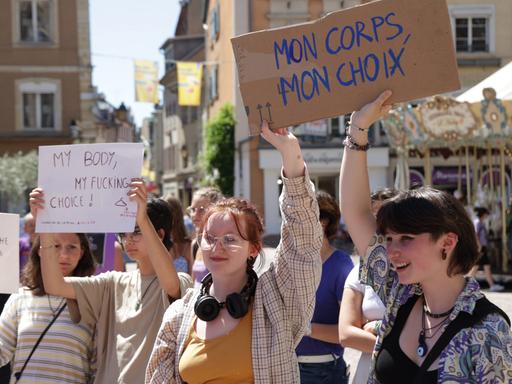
(238, 328)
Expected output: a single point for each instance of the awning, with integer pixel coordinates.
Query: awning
(501, 81)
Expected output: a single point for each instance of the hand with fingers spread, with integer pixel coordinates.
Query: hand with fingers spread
(373, 111)
(288, 146)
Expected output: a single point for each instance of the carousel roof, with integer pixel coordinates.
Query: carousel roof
(501, 81)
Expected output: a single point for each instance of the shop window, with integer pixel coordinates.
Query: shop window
(39, 103)
(473, 28)
(35, 21)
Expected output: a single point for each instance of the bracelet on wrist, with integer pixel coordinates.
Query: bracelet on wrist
(351, 124)
(350, 143)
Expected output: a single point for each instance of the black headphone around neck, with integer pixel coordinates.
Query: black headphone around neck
(207, 307)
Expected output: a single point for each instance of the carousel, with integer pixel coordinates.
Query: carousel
(476, 140)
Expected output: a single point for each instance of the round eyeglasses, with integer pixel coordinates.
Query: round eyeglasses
(229, 242)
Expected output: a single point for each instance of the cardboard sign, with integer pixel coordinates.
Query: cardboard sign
(9, 252)
(344, 60)
(86, 185)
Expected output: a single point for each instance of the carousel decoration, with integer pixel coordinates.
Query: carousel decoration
(479, 134)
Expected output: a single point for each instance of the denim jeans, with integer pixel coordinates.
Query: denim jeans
(332, 372)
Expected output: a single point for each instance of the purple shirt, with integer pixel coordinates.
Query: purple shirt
(328, 297)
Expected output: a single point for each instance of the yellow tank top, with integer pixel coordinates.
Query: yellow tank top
(225, 359)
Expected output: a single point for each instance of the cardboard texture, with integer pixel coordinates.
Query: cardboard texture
(336, 64)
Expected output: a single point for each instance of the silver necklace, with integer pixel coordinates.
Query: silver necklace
(54, 311)
(139, 300)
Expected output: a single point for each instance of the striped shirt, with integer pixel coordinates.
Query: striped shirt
(65, 353)
(283, 303)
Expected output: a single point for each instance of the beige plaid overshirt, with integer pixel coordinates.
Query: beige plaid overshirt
(283, 304)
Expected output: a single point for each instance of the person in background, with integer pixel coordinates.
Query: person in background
(438, 324)
(319, 354)
(482, 236)
(362, 310)
(181, 250)
(66, 351)
(238, 328)
(201, 200)
(125, 307)
(27, 239)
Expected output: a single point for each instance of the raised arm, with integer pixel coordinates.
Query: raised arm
(354, 183)
(53, 281)
(297, 265)
(158, 254)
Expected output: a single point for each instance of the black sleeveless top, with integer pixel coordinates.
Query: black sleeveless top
(393, 366)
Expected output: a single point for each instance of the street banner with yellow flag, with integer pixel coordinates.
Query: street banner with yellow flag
(189, 83)
(146, 81)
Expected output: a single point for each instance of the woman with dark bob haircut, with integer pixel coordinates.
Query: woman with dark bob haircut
(66, 351)
(438, 325)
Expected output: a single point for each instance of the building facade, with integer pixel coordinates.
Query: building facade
(45, 72)
(482, 39)
(182, 126)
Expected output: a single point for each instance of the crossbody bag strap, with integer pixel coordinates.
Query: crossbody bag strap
(18, 374)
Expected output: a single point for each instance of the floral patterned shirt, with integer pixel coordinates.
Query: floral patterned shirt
(480, 354)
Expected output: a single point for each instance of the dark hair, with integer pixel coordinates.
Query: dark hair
(481, 212)
(159, 213)
(330, 211)
(383, 194)
(33, 279)
(240, 210)
(179, 232)
(428, 210)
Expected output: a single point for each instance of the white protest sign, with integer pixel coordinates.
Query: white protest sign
(86, 185)
(9, 252)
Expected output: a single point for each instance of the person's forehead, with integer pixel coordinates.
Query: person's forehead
(67, 237)
(200, 201)
(221, 221)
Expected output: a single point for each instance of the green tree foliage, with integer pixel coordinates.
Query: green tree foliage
(18, 173)
(219, 157)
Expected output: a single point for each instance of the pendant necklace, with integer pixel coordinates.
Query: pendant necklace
(54, 311)
(139, 300)
(422, 349)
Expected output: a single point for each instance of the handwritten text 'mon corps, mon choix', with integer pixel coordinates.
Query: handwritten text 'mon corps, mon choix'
(368, 67)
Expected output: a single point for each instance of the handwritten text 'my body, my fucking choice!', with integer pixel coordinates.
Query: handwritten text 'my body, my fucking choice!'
(88, 159)
(367, 67)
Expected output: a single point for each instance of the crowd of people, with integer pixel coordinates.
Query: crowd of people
(196, 311)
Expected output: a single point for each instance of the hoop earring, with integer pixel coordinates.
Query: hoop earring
(443, 254)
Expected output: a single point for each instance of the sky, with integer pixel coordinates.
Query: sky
(123, 30)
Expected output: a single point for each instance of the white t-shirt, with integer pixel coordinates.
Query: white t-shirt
(373, 309)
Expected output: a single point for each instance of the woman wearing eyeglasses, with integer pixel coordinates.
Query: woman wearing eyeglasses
(126, 307)
(201, 200)
(236, 328)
